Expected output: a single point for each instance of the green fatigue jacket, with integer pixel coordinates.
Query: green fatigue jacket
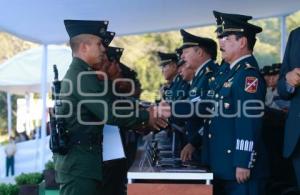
(86, 102)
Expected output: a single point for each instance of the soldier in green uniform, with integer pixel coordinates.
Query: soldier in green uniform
(115, 171)
(87, 105)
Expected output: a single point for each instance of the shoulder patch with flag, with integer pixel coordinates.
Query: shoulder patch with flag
(251, 84)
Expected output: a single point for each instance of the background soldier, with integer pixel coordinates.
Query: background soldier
(169, 70)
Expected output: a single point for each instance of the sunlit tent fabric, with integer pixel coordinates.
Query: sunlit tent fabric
(42, 21)
(22, 73)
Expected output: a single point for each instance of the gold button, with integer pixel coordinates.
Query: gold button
(228, 151)
(226, 105)
(209, 136)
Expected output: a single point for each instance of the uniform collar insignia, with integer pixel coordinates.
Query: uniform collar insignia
(227, 84)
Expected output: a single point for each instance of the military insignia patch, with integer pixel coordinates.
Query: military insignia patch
(251, 84)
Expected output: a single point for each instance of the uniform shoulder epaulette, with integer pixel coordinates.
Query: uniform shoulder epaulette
(208, 70)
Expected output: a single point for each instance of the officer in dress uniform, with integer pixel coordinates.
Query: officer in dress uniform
(175, 89)
(233, 146)
(199, 53)
(86, 107)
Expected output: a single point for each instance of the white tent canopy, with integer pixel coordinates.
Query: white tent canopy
(42, 21)
(22, 73)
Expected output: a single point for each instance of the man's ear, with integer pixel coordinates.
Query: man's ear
(244, 42)
(200, 51)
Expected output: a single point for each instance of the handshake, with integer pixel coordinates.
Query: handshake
(158, 115)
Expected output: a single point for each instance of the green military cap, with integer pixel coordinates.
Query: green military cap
(107, 38)
(276, 68)
(266, 70)
(114, 53)
(190, 40)
(166, 58)
(236, 24)
(93, 27)
(218, 16)
(180, 61)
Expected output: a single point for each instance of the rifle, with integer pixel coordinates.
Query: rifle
(58, 134)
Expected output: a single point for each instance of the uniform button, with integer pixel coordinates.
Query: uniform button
(209, 121)
(91, 147)
(217, 95)
(209, 136)
(222, 97)
(212, 78)
(228, 151)
(143, 123)
(226, 105)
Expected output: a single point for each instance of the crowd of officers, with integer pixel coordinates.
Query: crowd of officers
(227, 116)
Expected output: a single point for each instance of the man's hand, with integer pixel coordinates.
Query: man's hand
(293, 77)
(154, 121)
(164, 110)
(242, 175)
(187, 152)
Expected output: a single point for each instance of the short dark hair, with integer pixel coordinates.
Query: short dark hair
(212, 51)
(251, 40)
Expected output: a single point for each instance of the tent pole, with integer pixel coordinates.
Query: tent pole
(44, 102)
(28, 118)
(283, 36)
(9, 114)
(44, 90)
